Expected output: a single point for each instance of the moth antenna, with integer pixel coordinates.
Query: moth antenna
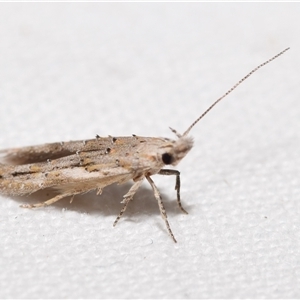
(233, 88)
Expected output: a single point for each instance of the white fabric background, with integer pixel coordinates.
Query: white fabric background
(74, 70)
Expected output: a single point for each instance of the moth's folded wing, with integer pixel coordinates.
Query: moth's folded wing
(41, 153)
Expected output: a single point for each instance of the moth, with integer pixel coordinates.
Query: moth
(76, 167)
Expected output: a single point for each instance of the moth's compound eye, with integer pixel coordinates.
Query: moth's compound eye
(167, 158)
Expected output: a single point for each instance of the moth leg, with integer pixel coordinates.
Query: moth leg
(177, 184)
(127, 198)
(72, 198)
(161, 206)
(48, 202)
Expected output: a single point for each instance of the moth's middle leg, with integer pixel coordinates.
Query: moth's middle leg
(161, 206)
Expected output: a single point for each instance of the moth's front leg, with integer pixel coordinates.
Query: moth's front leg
(177, 184)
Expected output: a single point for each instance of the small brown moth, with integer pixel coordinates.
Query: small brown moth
(76, 167)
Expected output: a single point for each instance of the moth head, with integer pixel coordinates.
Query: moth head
(175, 152)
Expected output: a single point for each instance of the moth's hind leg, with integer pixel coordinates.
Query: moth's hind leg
(50, 201)
(127, 198)
(177, 184)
